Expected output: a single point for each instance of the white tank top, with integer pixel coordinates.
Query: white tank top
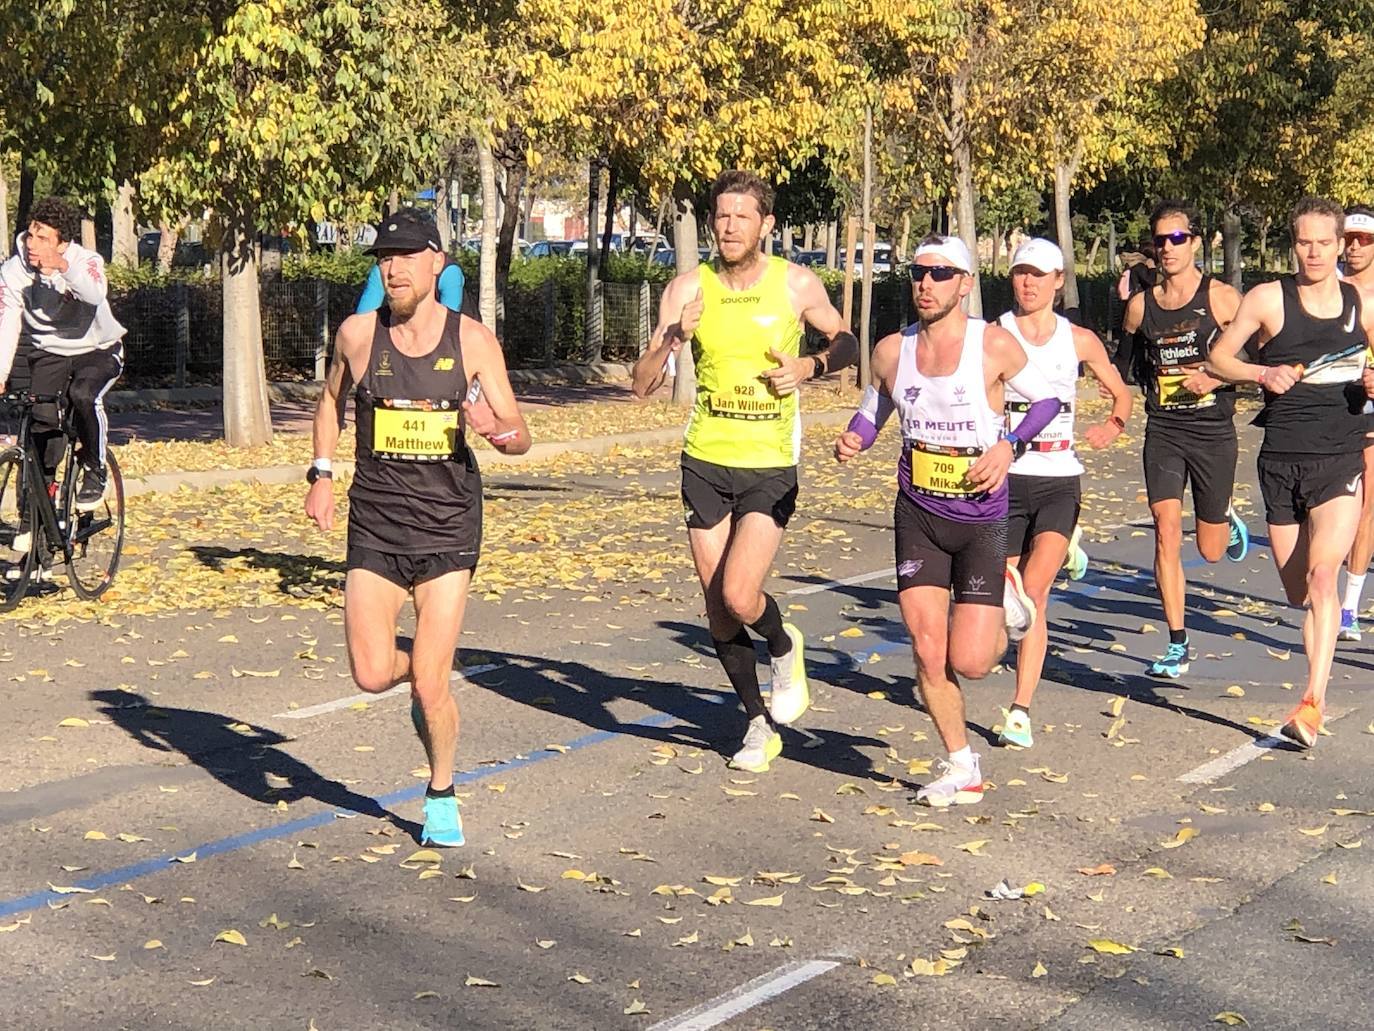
(946, 424)
(1051, 453)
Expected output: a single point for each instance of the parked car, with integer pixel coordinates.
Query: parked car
(810, 258)
(882, 260)
(552, 248)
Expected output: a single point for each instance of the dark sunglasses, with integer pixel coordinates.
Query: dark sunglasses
(939, 273)
(1178, 238)
(1361, 239)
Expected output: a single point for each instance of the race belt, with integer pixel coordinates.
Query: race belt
(1171, 394)
(942, 472)
(1057, 436)
(416, 431)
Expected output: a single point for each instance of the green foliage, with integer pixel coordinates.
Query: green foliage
(134, 277)
(345, 266)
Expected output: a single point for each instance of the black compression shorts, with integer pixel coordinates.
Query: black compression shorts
(1294, 485)
(1041, 504)
(711, 492)
(1207, 462)
(967, 559)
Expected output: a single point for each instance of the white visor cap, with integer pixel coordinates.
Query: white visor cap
(1040, 254)
(951, 250)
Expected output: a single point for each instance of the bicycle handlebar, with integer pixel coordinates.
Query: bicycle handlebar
(28, 398)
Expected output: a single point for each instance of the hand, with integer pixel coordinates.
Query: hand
(1279, 379)
(1102, 434)
(479, 417)
(691, 316)
(319, 503)
(990, 471)
(790, 373)
(1368, 380)
(847, 445)
(44, 257)
(1199, 384)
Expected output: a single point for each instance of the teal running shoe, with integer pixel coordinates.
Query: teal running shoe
(1016, 730)
(1076, 561)
(1240, 537)
(1172, 664)
(443, 824)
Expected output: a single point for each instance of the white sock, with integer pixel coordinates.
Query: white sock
(962, 758)
(1354, 587)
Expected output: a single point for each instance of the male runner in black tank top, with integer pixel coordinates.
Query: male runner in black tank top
(415, 519)
(1189, 436)
(1313, 334)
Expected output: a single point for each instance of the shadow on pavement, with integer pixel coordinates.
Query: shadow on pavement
(301, 575)
(246, 759)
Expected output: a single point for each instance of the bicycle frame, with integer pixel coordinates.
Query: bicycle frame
(44, 504)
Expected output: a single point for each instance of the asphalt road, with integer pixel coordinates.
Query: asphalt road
(222, 778)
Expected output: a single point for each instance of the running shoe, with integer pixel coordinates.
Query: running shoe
(762, 744)
(1017, 607)
(1076, 561)
(1172, 664)
(1303, 724)
(956, 785)
(790, 696)
(1016, 729)
(443, 824)
(1239, 546)
(1350, 626)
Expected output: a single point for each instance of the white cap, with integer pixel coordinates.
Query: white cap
(951, 250)
(1040, 254)
(1359, 223)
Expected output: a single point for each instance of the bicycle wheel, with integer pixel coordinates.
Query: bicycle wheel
(16, 519)
(97, 536)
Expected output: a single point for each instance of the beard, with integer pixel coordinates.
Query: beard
(938, 314)
(404, 308)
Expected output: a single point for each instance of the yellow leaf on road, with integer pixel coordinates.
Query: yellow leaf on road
(231, 937)
(95, 836)
(256, 672)
(74, 721)
(771, 900)
(1184, 835)
(1039, 970)
(479, 982)
(635, 1009)
(884, 980)
(852, 631)
(1111, 948)
(1230, 1018)
(973, 848)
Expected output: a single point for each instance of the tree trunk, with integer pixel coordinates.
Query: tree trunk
(632, 230)
(527, 210)
(996, 246)
(832, 232)
(851, 230)
(5, 233)
(88, 233)
(1206, 245)
(658, 229)
(393, 202)
(1111, 246)
(1264, 242)
(685, 245)
(870, 256)
(486, 164)
(966, 200)
(809, 237)
(124, 250)
(27, 177)
(612, 189)
(1092, 254)
(1063, 180)
(505, 241)
(787, 242)
(441, 214)
(168, 236)
(904, 240)
(1230, 245)
(247, 417)
(593, 337)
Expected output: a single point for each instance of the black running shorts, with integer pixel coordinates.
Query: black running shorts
(1041, 504)
(967, 559)
(711, 492)
(1293, 485)
(1208, 462)
(409, 571)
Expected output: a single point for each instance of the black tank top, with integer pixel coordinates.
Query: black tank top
(1321, 414)
(416, 487)
(1176, 341)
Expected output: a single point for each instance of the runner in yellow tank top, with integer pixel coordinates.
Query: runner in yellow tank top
(744, 318)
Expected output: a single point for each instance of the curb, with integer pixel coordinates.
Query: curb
(542, 452)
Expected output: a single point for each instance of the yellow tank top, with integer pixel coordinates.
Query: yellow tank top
(737, 420)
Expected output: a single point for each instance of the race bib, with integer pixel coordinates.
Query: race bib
(1345, 366)
(1171, 392)
(1057, 436)
(942, 472)
(415, 431)
(751, 401)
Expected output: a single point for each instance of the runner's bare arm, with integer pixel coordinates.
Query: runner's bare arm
(1224, 301)
(329, 413)
(876, 406)
(1093, 354)
(1260, 311)
(1367, 321)
(679, 314)
(813, 307)
(496, 416)
(1003, 356)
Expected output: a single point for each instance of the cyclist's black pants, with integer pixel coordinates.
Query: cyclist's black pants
(84, 378)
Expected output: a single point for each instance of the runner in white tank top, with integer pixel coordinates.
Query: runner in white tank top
(945, 378)
(1044, 503)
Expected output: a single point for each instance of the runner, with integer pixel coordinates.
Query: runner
(744, 315)
(415, 506)
(1190, 437)
(1359, 273)
(1314, 334)
(944, 377)
(1042, 526)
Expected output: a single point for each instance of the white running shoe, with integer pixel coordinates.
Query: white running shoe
(762, 744)
(1017, 606)
(790, 696)
(956, 785)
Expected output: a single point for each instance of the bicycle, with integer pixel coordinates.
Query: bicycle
(88, 542)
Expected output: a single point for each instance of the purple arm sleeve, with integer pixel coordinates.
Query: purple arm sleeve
(873, 411)
(1040, 414)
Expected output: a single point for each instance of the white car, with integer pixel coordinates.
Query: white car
(882, 260)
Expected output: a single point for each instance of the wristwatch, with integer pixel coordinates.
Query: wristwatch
(819, 364)
(316, 473)
(1018, 446)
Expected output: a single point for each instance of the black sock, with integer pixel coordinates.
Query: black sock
(769, 627)
(1178, 636)
(446, 793)
(741, 666)
(1018, 706)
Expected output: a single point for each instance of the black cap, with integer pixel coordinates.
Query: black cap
(407, 231)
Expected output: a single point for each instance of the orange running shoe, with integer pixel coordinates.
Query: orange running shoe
(1303, 724)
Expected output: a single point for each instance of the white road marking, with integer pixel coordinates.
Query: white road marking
(830, 585)
(731, 1004)
(1219, 767)
(354, 699)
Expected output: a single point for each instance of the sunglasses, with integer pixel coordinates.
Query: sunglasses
(939, 273)
(1359, 239)
(1178, 238)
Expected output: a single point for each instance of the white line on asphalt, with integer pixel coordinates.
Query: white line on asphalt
(1219, 767)
(717, 1011)
(354, 699)
(830, 585)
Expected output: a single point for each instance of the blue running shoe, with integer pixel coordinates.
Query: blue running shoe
(1240, 537)
(1350, 626)
(443, 825)
(1172, 664)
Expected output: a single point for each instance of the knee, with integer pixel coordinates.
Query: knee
(931, 652)
(970, 664)
(739, 603)
(1321, 580)
(1211, 550)
(372, 676)
(1168, 535)
(81, 393)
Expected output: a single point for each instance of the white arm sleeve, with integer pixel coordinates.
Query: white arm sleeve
(1031, 384)
(11, 315)
(85, 275)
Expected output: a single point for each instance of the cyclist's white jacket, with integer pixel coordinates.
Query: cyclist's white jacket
(65, 313)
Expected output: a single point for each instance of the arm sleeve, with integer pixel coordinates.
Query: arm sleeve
(373, 294)
(874, 410)
(450, 287)
(1031, 384)
(11, 315)
(85, 276)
